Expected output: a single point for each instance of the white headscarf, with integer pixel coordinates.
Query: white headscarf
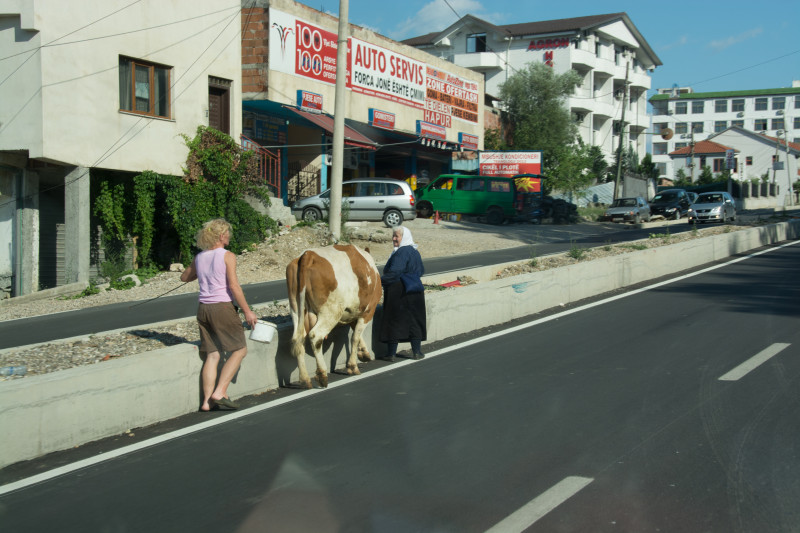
(406, 239)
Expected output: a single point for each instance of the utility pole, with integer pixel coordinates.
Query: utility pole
(339, 112)
(691, 155)
(621, 133)
(790, 192)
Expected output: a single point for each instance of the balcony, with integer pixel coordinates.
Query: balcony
(479, 61)
(582, 59)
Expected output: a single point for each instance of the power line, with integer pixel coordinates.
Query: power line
(88, 39)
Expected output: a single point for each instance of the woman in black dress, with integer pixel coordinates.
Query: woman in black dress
(403, 296)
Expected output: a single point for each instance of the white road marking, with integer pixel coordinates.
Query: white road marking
(754, 362)
(526, 516)
(45, 476)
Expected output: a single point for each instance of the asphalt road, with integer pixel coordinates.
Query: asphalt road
(669, 409)
(552, 239)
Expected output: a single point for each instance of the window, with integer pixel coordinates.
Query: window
(749, 160)
(617, 56)
(499, 186)
(797, 102)
(658, 127)
(720, 106)
(697, 106)
(738, 123)
(720, 125)
(660, 108)
(470, 184)
(476, 43)
(697, 127)
(144, 88)
(778, 102)
(719, 164)
(681, 127)
(761, 104)
(796, 123)
(659, 148)
(598, 49)
(760, 124)
(777, 124)
(678, 146)
(681, 108)
(737, 105)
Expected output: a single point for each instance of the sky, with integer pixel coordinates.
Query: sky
(708, 45)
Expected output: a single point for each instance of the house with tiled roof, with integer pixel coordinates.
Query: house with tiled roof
(699, 115)
(603, 49)
(754, 154)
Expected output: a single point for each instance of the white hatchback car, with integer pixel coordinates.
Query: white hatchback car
(384, 199)
(715, 206)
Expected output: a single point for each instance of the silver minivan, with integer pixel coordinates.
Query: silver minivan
(384, 199)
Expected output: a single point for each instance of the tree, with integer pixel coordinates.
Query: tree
(535, 110)
(647, 168)
(706, 176)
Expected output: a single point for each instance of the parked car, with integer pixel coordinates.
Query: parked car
(670, 204)
(384, 199)
(489, 196)
(633, 209)
(714, 206)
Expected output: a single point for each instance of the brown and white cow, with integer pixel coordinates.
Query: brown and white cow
(327, 287)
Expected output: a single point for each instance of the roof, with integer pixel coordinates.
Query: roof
(544, 27)
(726, 94)
(795, 147)
(703, 147)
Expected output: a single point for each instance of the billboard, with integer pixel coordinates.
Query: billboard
(508, 164)
(309, 51)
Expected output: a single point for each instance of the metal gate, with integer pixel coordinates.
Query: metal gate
(304, 181)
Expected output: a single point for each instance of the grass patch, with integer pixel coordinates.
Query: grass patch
(576, 252)
(633, 246)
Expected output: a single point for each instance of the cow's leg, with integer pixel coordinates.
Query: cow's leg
(299, 353)
(316, 337)
(355, 346)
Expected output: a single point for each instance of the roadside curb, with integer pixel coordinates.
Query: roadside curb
(51, 412)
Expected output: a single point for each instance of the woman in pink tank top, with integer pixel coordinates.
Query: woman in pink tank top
(220, 326)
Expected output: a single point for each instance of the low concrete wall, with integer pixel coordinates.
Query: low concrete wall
(42, 414)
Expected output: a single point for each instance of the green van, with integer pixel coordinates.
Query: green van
(492, 197)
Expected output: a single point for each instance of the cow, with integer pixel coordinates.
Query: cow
(329, 286)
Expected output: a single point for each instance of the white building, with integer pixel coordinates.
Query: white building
(90, 87)
(697, 116)
(603, 49)
(754, 155)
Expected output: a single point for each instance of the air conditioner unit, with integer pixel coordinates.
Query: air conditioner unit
(780, 112)
(740, 114)
(670, 112)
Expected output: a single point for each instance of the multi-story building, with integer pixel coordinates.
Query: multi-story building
(607, 51)
(89, 89)
(694, 117)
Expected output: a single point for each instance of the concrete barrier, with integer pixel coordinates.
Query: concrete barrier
(51, 412)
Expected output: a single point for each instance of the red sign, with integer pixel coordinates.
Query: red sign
(470, 142)
(431, 131)
(316, 52)
(509, 164)
(309, 101)
(449, 96)
(562, 42)
(381, 119)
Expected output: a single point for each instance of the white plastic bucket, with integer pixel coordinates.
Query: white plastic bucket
(263, 331)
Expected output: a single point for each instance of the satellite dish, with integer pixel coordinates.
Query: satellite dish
(667, 134)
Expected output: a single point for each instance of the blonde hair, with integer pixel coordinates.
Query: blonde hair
(211, 232)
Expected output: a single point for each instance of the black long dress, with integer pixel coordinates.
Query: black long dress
(404, 316)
